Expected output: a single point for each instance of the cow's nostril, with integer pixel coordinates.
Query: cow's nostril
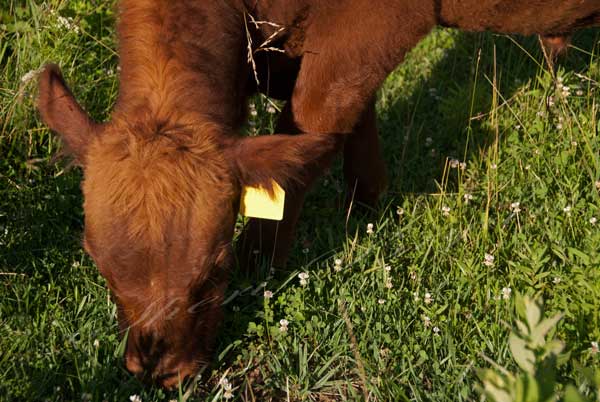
(167, 376)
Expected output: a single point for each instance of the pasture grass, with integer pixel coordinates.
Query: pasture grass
(494, 190)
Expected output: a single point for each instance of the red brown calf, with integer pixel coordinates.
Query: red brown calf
(162, 178)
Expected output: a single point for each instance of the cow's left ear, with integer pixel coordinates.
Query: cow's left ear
(61, 112)
(283, 158)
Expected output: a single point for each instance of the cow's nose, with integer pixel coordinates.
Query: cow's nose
(133, 364)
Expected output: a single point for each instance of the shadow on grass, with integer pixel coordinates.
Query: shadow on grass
(450, 107)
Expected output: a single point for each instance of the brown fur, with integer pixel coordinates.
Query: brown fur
(163, 177)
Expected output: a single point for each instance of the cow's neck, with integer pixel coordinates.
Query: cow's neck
(180, 58)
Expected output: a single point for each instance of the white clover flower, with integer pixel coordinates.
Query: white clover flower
(381, 301)
(29, 76)
(527, 167)
(436, 330)
(428, 298)
(567, 210)
(96, 343)
(270, 109)
(135, 398)
(488, 260)
(506, 292)
(283, 325)
(426, 321)
(579, 92)
(337, 265)
(540, 113)
(551, 101)
(556, 280)
(62, 21)
(454, 163)
(267, 294)
(593, 220)
(416, 296)
(252, 108)
(516, 207)
(303, 278)
(493, 166)
(389, 284)
(594, 347)
(227, 388)
(574, 143)
(467, 197)
(400, 211)
(369, 228)
(412, 275)
(428, 141)
(387, 268)
(462, 165)
(445, 210)
(67, 23)
(559, 126)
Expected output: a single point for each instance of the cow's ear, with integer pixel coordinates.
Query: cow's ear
(61, 112)
(283, 158)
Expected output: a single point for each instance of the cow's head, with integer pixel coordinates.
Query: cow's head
(161, 200)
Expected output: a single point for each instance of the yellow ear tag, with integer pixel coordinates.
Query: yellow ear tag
(257, 203)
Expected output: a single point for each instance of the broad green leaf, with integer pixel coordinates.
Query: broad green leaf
(533, 311)
(572, 395)
(524, 357)
(527, 388)
(522, 327)
(539, 332)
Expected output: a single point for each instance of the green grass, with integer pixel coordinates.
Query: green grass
(483, 99)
